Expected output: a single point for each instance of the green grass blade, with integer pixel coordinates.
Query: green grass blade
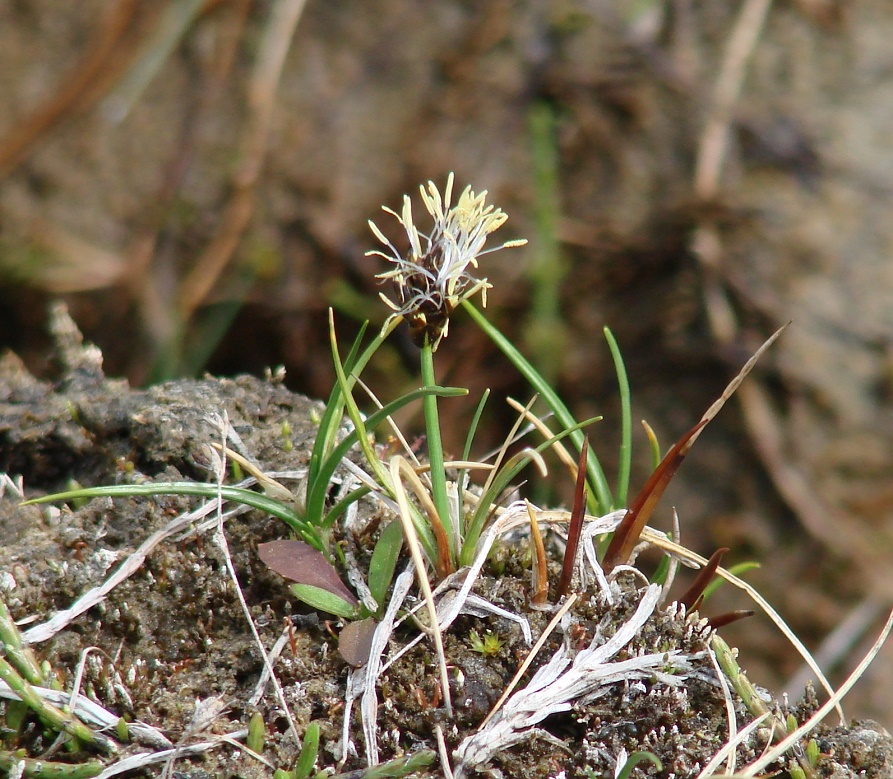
(383, 563)
(353, 411)
(307, 532)
(638, 757)
(502, 480)
(309, 750)
(653, 445)
(342, 505)
(737, 570)
(469, 440)
(331, 418)
(437, 473)
(601, 492)
(324, 600)
(626, 422)
(316, 492)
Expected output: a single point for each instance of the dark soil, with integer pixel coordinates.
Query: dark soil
(172, 635)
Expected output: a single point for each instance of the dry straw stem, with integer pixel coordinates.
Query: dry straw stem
(369, 674)
(565, 679)
(553, 623)
(642, 507)
(558, 447)
(223, 545)
(61, 619)
(515, 516)
(398, 465)
(93, 714)
(730, 713)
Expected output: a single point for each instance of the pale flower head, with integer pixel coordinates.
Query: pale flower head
(434, 277)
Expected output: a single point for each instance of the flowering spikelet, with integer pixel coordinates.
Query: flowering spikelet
(431, 280)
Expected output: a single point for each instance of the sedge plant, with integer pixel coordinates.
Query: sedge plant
(445, 521)
(430, 280)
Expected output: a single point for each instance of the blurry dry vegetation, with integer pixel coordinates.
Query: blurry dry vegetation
(194, 178)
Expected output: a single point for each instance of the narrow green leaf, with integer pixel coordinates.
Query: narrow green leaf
(626, 422)
(342, 505)
(601, 492)
(316, 495)
(738, 569)
(436, 472)
(638, 757)
(353, 411)
(331, 418)
(304, 529)
(323, 600)
(384, 561)
(462, 476)
(653, 445)
(401, 766)
(502, 480)
(309, 751)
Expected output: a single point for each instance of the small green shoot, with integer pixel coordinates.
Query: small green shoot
(638, 757)
(309, 752)
(488, 646)
(257, 733)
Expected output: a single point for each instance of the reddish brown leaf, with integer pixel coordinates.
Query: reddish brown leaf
(303, 564)
(627, 534)
(695, 594)
(630, 528)
(540, 575)
(728, 618)
(355, 641)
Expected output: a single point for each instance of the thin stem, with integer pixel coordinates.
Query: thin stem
(435, 449)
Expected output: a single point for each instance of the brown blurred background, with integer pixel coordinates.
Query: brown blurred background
(194, 179)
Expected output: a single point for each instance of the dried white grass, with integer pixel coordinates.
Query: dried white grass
(219, 538)
(15, 486)
(730, 708)
(841, 641)
(372, 669)
(729, 748)
(146, 759)
(443, 753)
(686, 555)
(62, 619)
(400, 465)
(265, 675)
(553, 623)
(94, 715)
(564, 680)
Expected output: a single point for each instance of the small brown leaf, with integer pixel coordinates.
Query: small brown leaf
(694, 595)
(576, 524)
(721, 620)
(303, 564)
(355, 641)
